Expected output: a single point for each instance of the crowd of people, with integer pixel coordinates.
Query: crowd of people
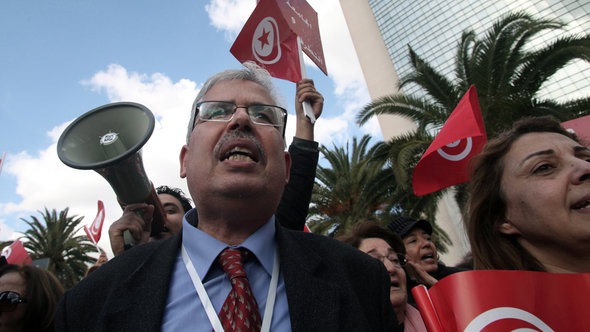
(238, 259)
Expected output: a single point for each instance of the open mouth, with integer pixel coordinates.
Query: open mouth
(427, 256)
(239, 153)
(394, 284)
(581, 205)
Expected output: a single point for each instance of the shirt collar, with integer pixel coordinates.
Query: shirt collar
(203, 249)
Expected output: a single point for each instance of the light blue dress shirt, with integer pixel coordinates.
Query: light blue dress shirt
(184, 311)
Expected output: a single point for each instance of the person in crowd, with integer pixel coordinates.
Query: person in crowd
(529, 205)
(291, 212)
(175, 204)
(425, 266)
(236, 168)
(420, 250)
(102, 258)
(28, 298)
(387, 247)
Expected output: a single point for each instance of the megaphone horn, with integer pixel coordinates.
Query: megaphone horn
(108, 139)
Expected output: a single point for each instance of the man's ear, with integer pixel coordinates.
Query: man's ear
(182, 157)
(507, 227)
(288, 166)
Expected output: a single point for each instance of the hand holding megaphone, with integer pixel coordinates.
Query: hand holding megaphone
(108, 140)
(136, 219)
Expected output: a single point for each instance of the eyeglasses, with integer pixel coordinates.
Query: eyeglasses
(260, 114)
(9, 300)
(398, 260)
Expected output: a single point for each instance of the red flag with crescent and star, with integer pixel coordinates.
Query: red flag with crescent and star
(17, 254)
(269, 38)
(500, 300)
(96, 227)
(445, 162)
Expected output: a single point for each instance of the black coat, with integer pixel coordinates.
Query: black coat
(330, 287)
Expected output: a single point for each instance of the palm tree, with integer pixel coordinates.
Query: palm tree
(507, 74)
(56, 239)
(351, 190)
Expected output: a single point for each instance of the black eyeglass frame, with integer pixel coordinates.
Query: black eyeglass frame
(282, 126)
(14, 298)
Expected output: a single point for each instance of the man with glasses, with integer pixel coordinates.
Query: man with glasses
(292, 210)
(233, 267)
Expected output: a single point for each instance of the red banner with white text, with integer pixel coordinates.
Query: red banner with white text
(270, 35)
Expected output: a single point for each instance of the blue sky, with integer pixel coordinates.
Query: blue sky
(61, 58)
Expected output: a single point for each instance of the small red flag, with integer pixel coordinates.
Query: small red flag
(496, 300)
(445, 162)
(581, 127)
(96, 228)
(16, 254)
(267, 40)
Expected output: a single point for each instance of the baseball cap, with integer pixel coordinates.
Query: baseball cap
(403, 225)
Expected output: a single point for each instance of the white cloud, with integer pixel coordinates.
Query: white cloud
(7, 232)
(229, 15)
(40, 176)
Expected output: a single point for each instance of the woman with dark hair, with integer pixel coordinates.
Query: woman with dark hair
(387, 247)
(530, 200)
(28, 298)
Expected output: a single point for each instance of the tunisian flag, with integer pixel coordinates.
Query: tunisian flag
(496, 300)
(581, 127)
(446, 160)
(267, 40)
(16, 254)
(96, 228)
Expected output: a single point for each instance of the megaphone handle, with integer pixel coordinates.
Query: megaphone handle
(159, 216)
(128, 239)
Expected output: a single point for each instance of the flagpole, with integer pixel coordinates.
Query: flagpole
(306, 105)
(92, 239)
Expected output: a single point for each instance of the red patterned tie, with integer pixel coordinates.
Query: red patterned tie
(240, 311)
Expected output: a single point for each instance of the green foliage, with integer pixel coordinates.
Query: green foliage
(354, 188)
(55, 238)
(508, 74)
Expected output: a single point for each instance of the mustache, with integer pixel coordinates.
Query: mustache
(240, 135)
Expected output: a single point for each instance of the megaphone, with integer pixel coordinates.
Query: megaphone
(108, 139)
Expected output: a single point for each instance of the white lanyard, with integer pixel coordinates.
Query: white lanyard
(213, 318)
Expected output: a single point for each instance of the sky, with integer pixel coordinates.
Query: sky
(62, 58)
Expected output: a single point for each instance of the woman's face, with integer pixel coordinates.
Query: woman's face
(13, 320)
(546, 185)
(379, 249)
(421, 250)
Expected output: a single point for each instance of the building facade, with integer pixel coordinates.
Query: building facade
(381, 31)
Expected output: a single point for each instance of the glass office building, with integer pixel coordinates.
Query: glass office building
(433, 28)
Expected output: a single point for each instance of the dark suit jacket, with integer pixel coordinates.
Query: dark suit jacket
(330, 287)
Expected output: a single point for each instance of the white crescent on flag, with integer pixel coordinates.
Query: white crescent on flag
(458, 156)
(266, 45)
(497, 314)
(95, 229)
(6, 252)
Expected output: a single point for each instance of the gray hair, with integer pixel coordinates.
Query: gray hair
(251, 72)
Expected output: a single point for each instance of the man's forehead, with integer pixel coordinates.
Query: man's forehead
(238, 89)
